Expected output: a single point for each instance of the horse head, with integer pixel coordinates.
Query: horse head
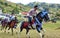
(16, 20)
(43, 15)
(46, 17)
(13, 22)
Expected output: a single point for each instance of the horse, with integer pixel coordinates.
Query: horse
(38, 19)
(3, 23)
(12, 24)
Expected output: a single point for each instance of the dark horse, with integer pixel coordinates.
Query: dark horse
(12, 24)
(38, 22)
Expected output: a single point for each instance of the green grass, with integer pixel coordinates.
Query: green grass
(51, 32)
(52, 25)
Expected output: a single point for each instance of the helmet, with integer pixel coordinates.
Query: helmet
(36, 6)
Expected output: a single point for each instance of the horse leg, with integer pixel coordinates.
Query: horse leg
(1, 28)
(43, 32)
(9, 28)
(39, 31)
(5, 28)
(16, 30)
(21, 28)
(40, 34)
(12, 30)
(27, 33)
(18, 35)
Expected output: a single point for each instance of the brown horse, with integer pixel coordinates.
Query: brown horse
(12, 24)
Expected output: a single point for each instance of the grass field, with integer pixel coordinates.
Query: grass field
(52, 31)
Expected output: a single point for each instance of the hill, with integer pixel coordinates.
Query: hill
(53, 8)
(8, 7)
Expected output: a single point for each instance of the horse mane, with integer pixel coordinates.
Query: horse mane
(39, 13)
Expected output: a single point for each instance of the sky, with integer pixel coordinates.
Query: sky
(28, 1)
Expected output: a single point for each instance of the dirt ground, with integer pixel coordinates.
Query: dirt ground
(52, 31)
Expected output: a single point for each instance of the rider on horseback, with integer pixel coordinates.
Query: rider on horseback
(12, 18)
(32, 13)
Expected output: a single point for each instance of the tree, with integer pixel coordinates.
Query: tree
(6, 4)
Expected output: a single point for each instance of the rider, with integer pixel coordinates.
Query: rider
(12, 17)
(32, 13)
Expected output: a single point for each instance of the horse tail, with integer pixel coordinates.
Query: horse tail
(22, 23)
(1, 21)
(21, 26)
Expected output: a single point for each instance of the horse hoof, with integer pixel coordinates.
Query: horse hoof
(28, 37)
(8, 29)
(42, 36)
